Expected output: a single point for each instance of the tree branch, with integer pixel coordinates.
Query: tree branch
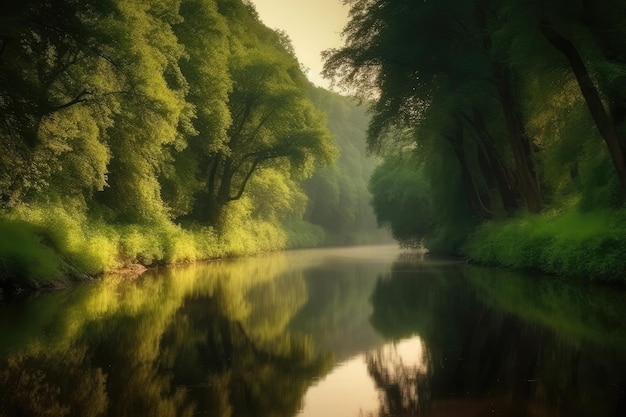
(80, 98)
(245, 180)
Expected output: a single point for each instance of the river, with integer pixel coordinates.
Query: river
(370, 331)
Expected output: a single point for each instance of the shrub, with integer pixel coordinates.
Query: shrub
(23, 256)
(590, 245)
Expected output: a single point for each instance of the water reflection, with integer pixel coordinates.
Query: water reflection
(401, 376)
(496, 344)
(351, 390)
(340, 332)
(197, 340)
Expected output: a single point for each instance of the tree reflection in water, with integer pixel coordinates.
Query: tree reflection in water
(496, 346)
(204, 340)
(404, 386)
(248, 338)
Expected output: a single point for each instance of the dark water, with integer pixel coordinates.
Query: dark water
(343, 332)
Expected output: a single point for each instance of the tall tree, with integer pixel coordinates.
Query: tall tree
(588, 35)
(396, 52)
(151, 110)
(91, 92)
(273, 121)
(204, 33)
(47, 52)
(502, 76)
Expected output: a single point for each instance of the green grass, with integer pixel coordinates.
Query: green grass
(587, 245)
(48, 245)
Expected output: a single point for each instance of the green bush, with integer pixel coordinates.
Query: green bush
(23, 255)
(86, 247)
(589, 245)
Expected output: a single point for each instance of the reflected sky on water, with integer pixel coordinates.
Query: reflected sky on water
(369, 331)
(349, 390)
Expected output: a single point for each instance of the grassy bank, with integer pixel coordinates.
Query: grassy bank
(49, 246)
(587, 245)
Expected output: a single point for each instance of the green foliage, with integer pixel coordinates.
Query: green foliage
(276, 195)
(414, 206)
(46, 244)
(588, 245)
(401, 198)
(599, 187)
(241, 234)
(23, 255)
(153, 133)
(503, 103)
(272, 122)
(84, 247)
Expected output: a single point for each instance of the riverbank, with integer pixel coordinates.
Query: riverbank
(47, 247)
(590, 246)
(50, 247)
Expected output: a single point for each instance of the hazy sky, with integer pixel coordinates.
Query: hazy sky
(312, 25)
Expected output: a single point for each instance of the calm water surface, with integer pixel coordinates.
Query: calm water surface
(336, 332)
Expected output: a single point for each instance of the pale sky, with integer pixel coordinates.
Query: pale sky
(312, 25)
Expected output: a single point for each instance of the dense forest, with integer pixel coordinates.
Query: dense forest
(502, 124)
(165, 131)
(144, 133)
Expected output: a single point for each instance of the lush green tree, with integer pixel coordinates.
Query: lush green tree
(92, 92)
(256, 133)
(400, 53)
(587, 35)
(273, 121)
(204, 33)
(401, 198)
(405, 199)
(150, 114)
(51, 67)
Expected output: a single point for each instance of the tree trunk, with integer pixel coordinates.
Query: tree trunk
(478, 205)
(206, 199)
(498, 170)
(213, 177)
(214, 213)
(223, 194)
(607, 128)
(518, 139)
